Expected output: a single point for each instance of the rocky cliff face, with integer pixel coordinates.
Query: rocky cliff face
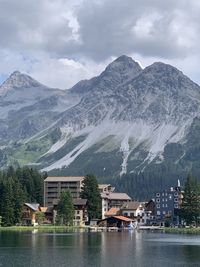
(120, 122)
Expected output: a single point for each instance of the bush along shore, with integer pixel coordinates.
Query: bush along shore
(44, 228)
(186, 230)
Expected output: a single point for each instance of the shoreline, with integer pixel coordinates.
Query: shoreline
(55, 228)
(42, 228)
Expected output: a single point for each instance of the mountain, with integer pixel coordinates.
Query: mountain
(136, 128)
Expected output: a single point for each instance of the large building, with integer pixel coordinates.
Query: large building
(167, 203)
(53, 186)
(111, 199)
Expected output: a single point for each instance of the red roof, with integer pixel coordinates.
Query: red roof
(112, 211)
(122, 218)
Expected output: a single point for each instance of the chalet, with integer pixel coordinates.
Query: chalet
(29, 211)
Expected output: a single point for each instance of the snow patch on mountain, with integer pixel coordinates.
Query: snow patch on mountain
(155, 137)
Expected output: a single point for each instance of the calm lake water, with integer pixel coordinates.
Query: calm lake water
(98, 249)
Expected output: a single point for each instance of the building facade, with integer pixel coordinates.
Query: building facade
(136, 211)
(53, 186)
(167, 204)
(111, 199)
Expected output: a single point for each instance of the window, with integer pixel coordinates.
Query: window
(164, 212)
(163, 194)
(166, 205)
(176, 194)
(125, 214)
(166, 194)
(157, 199)
(176, 200)
(158, 206)
(163, 199)
(78, 211)
(176, 206)
(158, 194)
(78, 217)
(131, 214)
(163, 205)
(158, 212)
(170, 196)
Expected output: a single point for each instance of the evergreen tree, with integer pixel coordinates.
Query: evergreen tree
(65, 209)
(7, 206)
(91, 193)
(190, 209)
(19, 199)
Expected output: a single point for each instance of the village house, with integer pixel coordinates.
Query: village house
(80, 216)
(29, 211)
(136, 211)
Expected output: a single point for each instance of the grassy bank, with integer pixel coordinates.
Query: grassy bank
(43, 228)
(195, 231)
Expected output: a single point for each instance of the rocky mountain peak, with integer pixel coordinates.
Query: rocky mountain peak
(123, 64)
(18, 80)
(162, 68)
(120, 70)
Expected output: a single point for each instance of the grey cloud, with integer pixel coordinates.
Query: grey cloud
(106, 28)
(109, 28)
(34, 25)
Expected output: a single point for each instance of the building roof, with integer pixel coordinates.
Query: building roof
(102, 186)
(79, 201)
(64, 179)
(132, 205)
(46, 209)
(115, 196)
(112, 212)
(33, 206)
(121, 218)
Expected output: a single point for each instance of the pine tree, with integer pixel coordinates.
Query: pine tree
(65, 209)
(91, 193)
(190, 209)
(19, 199)
(7, 207)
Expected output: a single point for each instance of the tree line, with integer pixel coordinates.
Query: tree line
(18, 186)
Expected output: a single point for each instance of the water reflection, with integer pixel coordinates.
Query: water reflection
(98, 249)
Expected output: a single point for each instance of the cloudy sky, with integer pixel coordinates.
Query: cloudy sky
(60, 42)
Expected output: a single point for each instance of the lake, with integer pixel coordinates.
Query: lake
(98, 249)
